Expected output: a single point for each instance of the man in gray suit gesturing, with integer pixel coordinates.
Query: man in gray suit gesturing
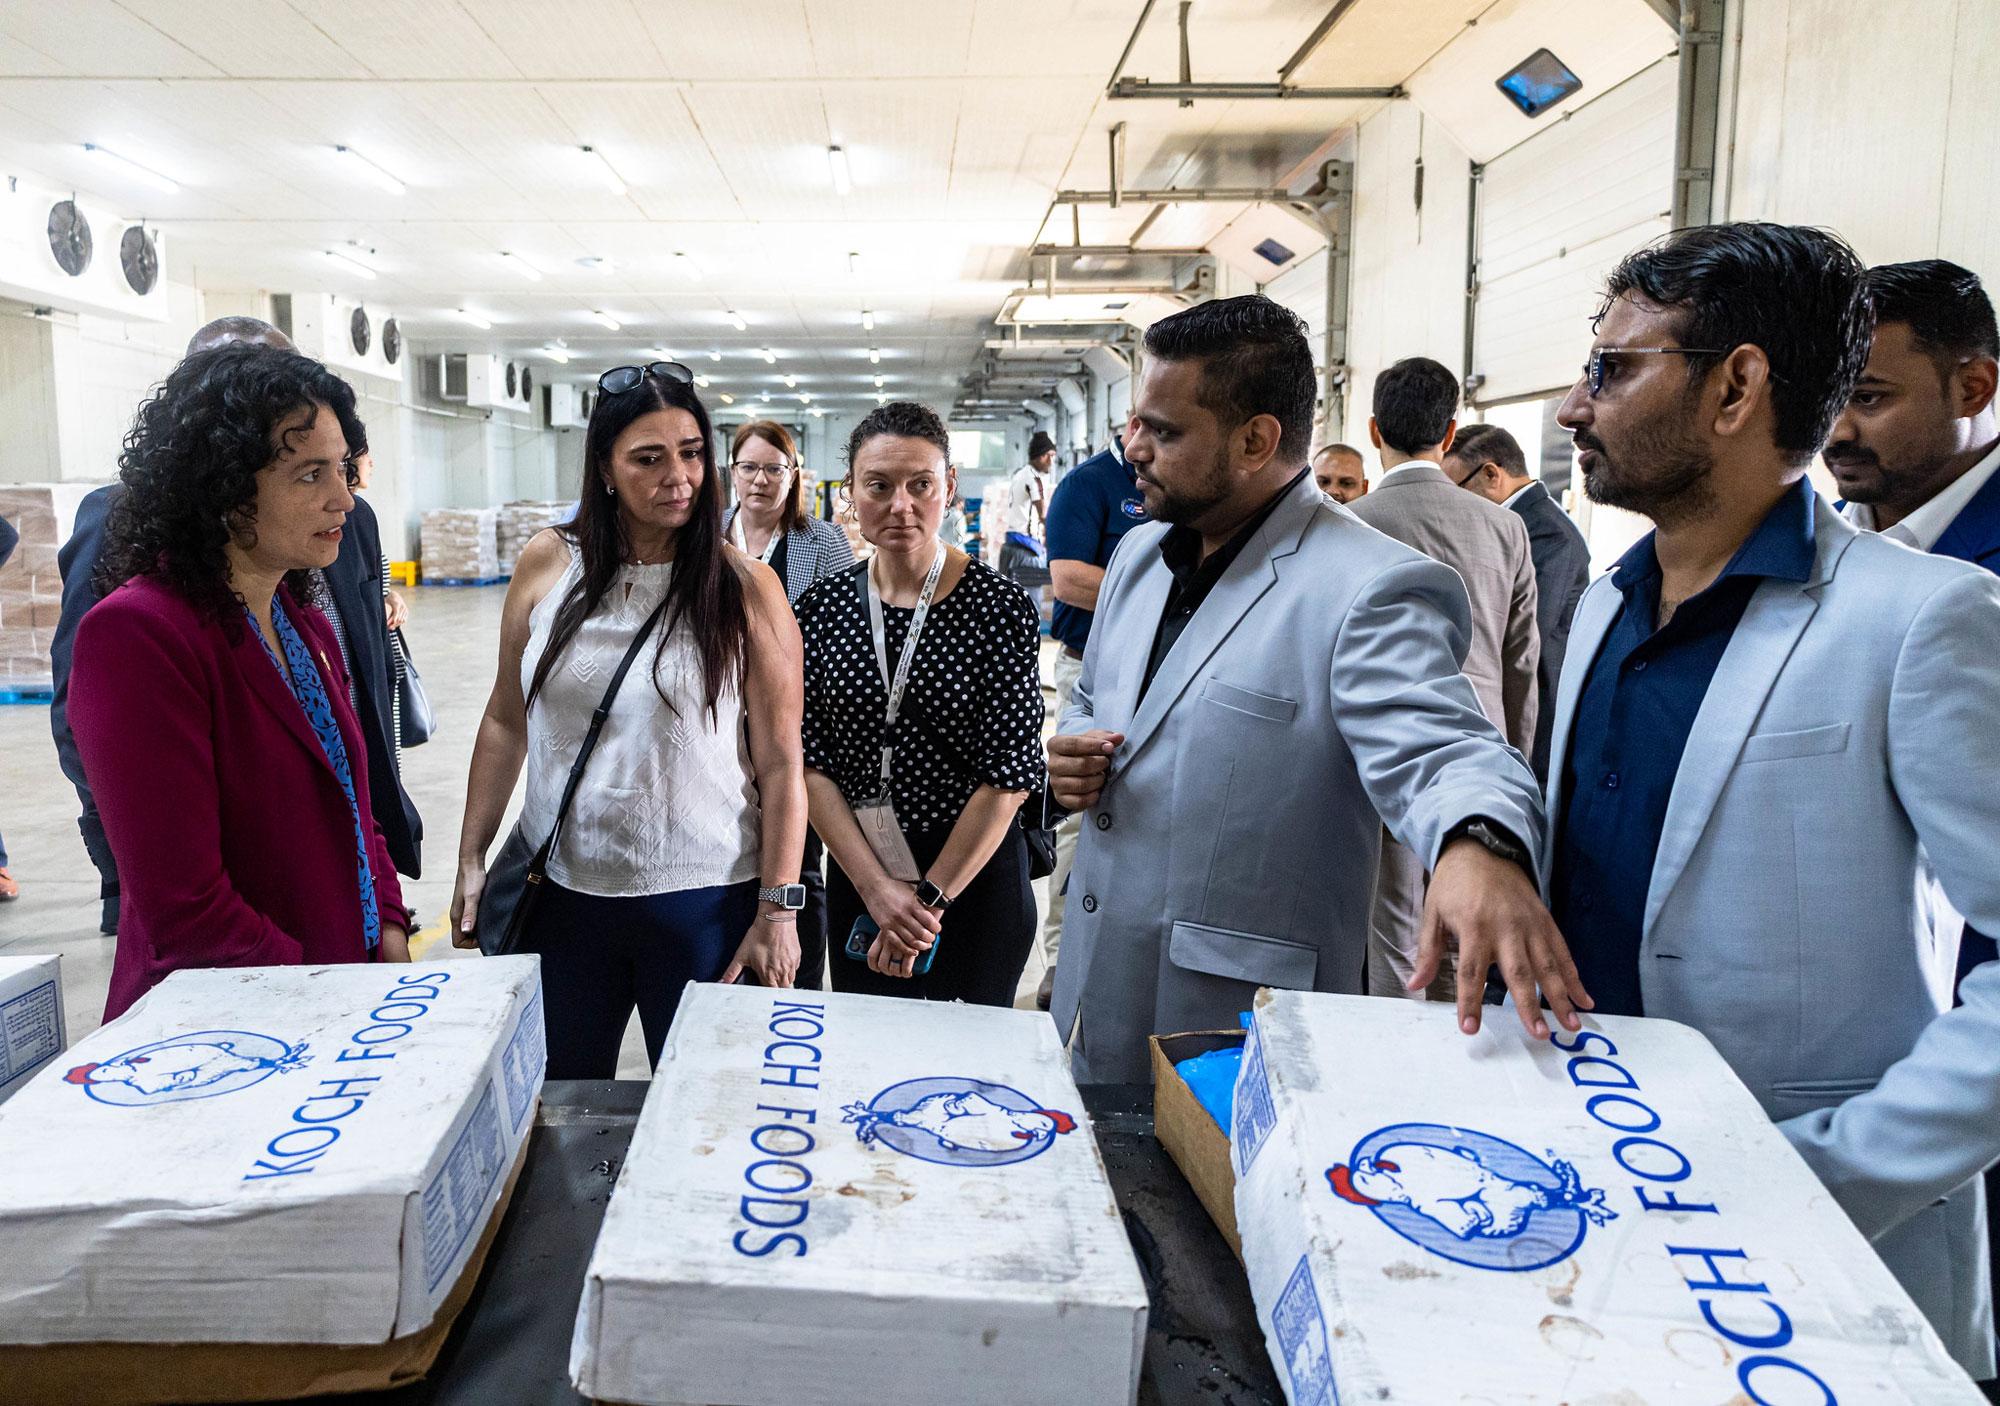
(1763, 714)
(1268, 683)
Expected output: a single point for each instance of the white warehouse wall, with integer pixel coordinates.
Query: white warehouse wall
(1408, 282)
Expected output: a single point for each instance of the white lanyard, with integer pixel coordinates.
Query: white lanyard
(899, 681)
(741, 539)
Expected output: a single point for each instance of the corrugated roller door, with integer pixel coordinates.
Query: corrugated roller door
(1302, 288)
(1556, 214)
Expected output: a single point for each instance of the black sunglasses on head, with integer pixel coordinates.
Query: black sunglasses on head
(620, 379)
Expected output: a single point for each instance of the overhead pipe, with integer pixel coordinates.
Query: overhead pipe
(1186, 93)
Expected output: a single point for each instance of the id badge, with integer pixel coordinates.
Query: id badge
(885, 837)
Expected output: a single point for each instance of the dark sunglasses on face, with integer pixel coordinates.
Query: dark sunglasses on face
(620, 379)
(1595, 370)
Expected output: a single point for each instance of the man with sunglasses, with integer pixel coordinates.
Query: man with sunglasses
(1487, 460)
(1415, 419)
(1763, 715)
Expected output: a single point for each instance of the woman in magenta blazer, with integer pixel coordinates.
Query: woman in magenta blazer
(210, 706)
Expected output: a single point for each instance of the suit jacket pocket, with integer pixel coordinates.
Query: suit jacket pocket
(1812, 742)
(1244, 956)
(1244, 700)
(1793, 1097)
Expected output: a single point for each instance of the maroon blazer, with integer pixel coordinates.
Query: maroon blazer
(234, 843)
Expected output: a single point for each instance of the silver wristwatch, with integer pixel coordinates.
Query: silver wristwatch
(790, 897)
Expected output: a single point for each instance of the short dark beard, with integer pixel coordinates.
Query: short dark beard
(1185, 506)
(1676, 487)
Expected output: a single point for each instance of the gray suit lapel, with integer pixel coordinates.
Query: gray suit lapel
(1594, 614)
(1253, 573)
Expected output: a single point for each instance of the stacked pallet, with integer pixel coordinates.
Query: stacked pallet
(460, 546)
(519, 522)
(30, 586)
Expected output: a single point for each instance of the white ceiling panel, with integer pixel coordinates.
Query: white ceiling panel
(251, 38)
(98, 38)
(436, 39)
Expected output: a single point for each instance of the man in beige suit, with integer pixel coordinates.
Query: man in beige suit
(1416, 406)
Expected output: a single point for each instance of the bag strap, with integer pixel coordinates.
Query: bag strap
(538, 866)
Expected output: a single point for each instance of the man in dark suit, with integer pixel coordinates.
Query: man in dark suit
(1488, 460)
(358, 569)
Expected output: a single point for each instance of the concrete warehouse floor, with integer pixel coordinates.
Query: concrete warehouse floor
(454, 635)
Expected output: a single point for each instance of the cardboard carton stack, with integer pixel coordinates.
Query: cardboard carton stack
(267, 1181)
(30, 586)
(850, 1200)
(31, 1018)
(519, 522)
(461, 545)
(1606, 1217)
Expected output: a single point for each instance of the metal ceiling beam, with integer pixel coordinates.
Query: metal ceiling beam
(1112, 251)
(1247, 194)
(1313, 40)
(1130, 44)
(1179, 92)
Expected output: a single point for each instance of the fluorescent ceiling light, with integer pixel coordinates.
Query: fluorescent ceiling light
(805, 397)
(770, 357)
(522, 267)
(875, 355)
(597, 264)
(728, 399)
(354, 266)
(145, 173)
(878, 383)
(690, 270)
(556, 354)
(464, 315)
(714, 354)
(843, 179)
(817, 411)
(881, 397)
(867, 320)
(606, 321)
(791, 383)
(369, 171)
(853, 264)
(664, 353)
(604, 170)
(701, 381)
(736, 320)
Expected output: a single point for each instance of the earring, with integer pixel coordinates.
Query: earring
(609, 491)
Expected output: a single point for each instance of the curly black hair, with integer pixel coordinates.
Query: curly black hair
(190, 466)
(903, 418)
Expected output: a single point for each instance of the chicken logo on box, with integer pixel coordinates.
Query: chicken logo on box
(958, 1122)
(206, 1064)
(1470, 1197)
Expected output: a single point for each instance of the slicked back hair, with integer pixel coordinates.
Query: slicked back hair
(1255, 359)
(1481, 444)
(1415, 402)
(1944, 306)
(1798, 294)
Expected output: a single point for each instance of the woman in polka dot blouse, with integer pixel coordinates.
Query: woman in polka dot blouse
(965, 749)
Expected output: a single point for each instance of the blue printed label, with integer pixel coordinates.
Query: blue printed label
(1301, 1331)
(457, 1194)
(30, 1034)
(1256, 1115)
(523, 1061)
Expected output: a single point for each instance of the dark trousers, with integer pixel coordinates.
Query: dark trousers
(983, 948)
(812, 922)
(601, 957)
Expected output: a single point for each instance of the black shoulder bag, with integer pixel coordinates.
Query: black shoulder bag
(514, 879)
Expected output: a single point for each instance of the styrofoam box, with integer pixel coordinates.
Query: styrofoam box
(31, 1018)
(269, 1154)
(852, 1200)
(1607, 1217)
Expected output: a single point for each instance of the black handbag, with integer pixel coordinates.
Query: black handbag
(514, 879)
(416, 720)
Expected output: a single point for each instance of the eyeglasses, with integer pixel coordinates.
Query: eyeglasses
(620, 379)
(1461, 482)
(746, 469)
(1593, 370)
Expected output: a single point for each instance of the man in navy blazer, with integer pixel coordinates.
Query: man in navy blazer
(350, 581)
(1766, 720)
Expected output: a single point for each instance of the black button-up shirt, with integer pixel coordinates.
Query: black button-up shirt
(1633, 717)
(1195, 578)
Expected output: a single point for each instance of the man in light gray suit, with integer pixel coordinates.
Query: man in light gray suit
(1416, 416)
(1268, 682)
(1762, 715)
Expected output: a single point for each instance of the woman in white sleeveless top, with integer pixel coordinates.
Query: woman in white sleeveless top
(679, 860)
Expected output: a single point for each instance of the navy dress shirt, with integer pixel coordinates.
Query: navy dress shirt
(1095, 505)
(1638, 705)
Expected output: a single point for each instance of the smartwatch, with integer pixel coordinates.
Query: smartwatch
(790, 897)
(931, 896)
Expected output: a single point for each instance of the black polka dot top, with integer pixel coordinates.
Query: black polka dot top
(972, 714)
